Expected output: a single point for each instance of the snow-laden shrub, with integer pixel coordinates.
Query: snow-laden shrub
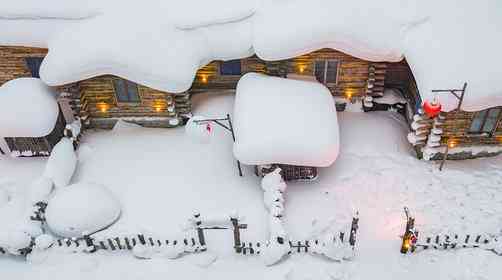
(62, 163)
(81, 208)
(14, 241)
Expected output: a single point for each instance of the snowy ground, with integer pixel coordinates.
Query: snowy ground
(161, 176)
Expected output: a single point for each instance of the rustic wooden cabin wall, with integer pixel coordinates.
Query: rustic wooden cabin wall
(153, 108)
(210, 78)
(457, 129)
(352, 77)
(13, 62)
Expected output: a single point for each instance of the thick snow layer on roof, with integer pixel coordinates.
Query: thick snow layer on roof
(161, 57)
(367, 29)
(58, 9)
(284, 121)
(460, 42)
(28, 108)
(446, 43)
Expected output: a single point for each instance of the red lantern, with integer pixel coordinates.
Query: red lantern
(432, 109)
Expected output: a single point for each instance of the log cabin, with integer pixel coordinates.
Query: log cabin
(100, 101)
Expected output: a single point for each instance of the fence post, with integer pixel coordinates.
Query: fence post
(200, 231)
(237, 235)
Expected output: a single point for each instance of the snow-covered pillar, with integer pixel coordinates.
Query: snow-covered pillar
(434, 138)
(278, 246)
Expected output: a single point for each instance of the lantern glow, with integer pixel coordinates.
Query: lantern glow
(301, 68)
(102, 107)
(451, 144)
(159, 105)
(203, 78)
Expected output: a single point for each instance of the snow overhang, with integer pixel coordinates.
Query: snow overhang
(446, 43)
(28, 108)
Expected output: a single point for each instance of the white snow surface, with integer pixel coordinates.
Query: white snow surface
(171, 39)
(28, 108)
(160, 178)
(62, 163)
(286, 121)
(81, 208)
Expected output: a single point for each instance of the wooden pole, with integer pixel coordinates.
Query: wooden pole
(233, 137)
(462, 96)
(445, 156)
(237, 235)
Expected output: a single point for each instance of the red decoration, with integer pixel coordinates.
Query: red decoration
(208, 127)
(432, 109)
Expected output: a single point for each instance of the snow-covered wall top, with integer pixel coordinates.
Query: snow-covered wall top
(162, 43)
(28, 108)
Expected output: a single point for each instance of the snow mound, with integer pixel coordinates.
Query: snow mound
(81, 208)
(19, 118)
(62, 163)
(14, 241)
(284, 121)
(44, 241)
(40, 189)
(4, 197)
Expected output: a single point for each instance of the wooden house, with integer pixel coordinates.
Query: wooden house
(101, 101)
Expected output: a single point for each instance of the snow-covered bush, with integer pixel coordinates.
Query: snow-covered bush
(14, 241)
(81, 208)
(62, 163)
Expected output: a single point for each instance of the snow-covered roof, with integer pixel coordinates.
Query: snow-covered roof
(28, 108)
(286, 121)
(446, 43)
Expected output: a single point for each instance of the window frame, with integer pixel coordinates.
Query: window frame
(220, 68)
(126, 84)
(483, 122)
(325, 71)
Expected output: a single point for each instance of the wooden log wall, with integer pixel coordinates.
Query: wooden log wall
(156, 108)
(456, 129)
(209, 78)
(13, 64)
(353, 73)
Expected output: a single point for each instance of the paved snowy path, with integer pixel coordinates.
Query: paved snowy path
(160, 176)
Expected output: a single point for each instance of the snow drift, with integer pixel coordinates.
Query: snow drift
(269, 127)
(445, 43)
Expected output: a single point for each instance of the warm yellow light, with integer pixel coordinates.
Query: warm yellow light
(158, 108)
(203, 78)
(451, 144)
(103, 107)
(301, 68)
(407, 244)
